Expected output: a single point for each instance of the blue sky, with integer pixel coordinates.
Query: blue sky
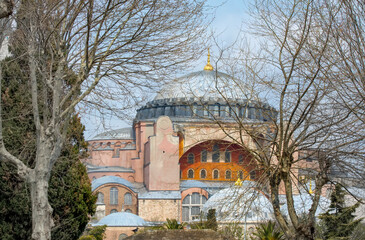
(230, 17)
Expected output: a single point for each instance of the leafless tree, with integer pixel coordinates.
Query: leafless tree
(103, 49)
(348, 44)
(292, 73)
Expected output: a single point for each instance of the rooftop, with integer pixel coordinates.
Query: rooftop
(122, 219)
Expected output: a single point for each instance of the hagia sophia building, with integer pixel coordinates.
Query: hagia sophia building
(175, 158)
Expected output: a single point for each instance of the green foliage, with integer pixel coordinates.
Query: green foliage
(173, 224)
(199, 225)
(15, 208)
(267, 231)
(210, 223)
(338, 221)
(212, 220)
(97, 232)
(69, 191)
(87, 237)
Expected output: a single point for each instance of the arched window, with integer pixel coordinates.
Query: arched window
(128, 211)
(228, 174)
(240, 159)
(191, 158)
(215, 155)
(113, 211)
(203, 174)
(227, 156)
(253, 175)
(191, 173)
(215, 174)
(240, 174)
(127, 199)
(100, 198)
(113, 195)
(204, 155)
(191, 206)
(186, 200)
(122, 236)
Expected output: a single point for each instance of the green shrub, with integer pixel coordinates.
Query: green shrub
(87, 237)
(212, 220)
(267, 231)
(173, 224)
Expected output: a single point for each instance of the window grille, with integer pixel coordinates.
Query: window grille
(113, 195)
(191, 173)
(127, 199)
(191, 158)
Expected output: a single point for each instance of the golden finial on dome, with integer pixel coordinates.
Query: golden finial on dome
(208, 67)
(238, 182)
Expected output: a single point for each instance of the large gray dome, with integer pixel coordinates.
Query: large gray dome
(206, 84)
(205, 95)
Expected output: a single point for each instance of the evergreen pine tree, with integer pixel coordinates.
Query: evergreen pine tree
(212, 220)
(339, 220)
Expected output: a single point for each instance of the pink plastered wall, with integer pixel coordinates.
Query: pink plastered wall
(162, 158)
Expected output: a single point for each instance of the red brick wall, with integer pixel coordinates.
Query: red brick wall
(234, 166)
(122, 190)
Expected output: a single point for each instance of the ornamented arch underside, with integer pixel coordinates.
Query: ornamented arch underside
(217, 160)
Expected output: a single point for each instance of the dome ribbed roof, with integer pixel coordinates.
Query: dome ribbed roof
(203, 85)
(240, 203)
(122, 219)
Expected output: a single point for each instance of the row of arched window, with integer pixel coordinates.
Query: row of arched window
(113, 197)
(215, 174)
(115, 211)
(215, 156)
(154, 110)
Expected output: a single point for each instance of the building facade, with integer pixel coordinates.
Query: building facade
(181, 150)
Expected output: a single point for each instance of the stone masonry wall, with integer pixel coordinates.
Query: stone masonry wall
(159, 210)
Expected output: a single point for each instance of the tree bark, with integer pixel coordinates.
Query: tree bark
(42, 222)
(41, 209)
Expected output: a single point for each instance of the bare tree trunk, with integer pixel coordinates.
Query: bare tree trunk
(71, 45)
(41, 209)
(42, 221)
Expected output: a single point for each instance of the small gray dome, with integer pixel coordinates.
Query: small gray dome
(203, 85)
(122, 219)
(240, 203)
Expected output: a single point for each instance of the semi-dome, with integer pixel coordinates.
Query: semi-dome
(122, 219)
(110, 179)
(303, 202)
